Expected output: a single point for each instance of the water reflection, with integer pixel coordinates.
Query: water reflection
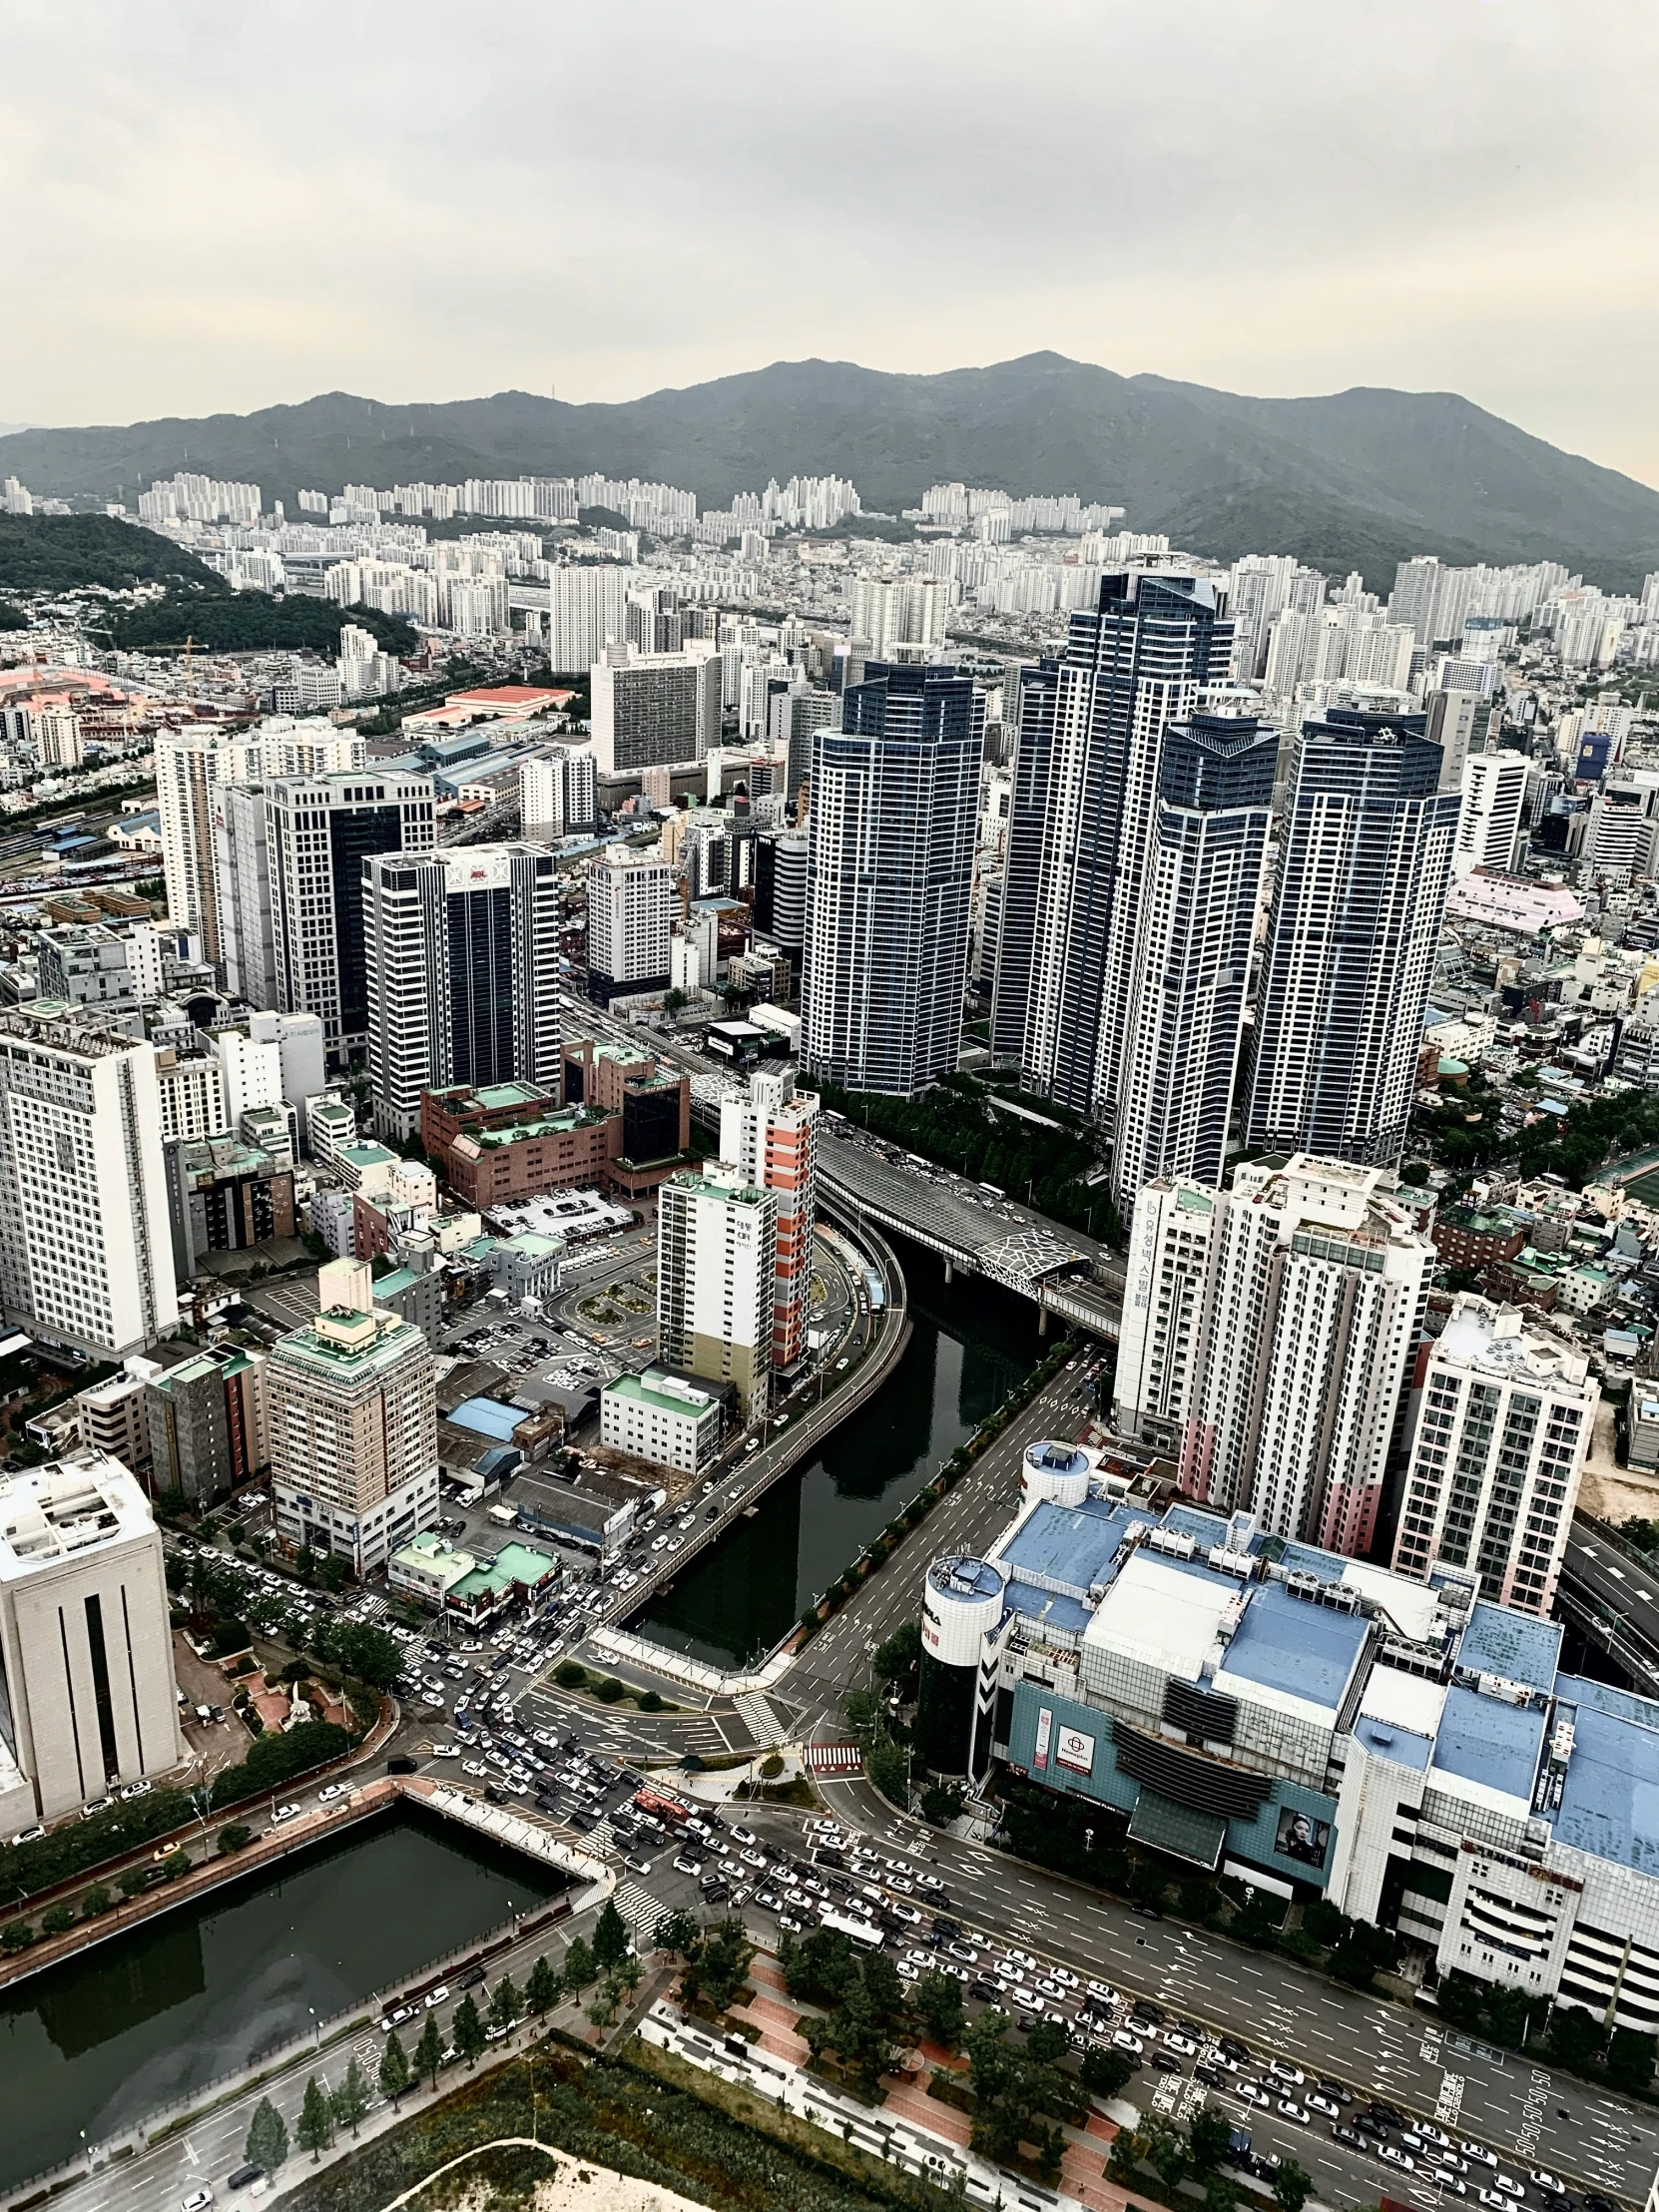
(971, 1342)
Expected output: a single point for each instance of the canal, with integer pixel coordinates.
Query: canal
(970, 1343)
(96, 2043)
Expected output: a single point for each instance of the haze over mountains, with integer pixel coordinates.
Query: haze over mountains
(1356, 479)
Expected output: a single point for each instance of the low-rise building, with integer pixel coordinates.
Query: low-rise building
(427, 1570)
(661, 1417)
(223, 1196)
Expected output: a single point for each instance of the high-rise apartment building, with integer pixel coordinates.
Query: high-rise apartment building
(1365, 864)
(241, 892)
(769, 1133)
(353, 1427)
(1505, 1415)
(1452, 719)
(716, 1277)
(1109, 858)
(86, 1251)
(654, 709)
(587, 609)
(558, 794)
(85, 1640)
(890, 872)
(322, 828)
(630, 906)
(462, 954)
(1494, 804)
(1266, 1336)
(190, 765)
(903, 620)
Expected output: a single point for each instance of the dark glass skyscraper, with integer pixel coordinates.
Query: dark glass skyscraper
(895, 799)
(1364, 868)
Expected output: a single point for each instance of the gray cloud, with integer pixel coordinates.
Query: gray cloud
(212, 208)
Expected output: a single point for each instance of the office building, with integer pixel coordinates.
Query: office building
(85, 1246)
(209, 1425)
(353, 1429)
(1314, 1728)
(1268, 1332)
(630, 905)
(715, 1273)
(1452, 720)
(190, 1087)
(587, 610)
(322, 828)
(1495, 803)
(463, 973)
(779, 909)
(115, 1419)
(558, 794)
(84, 964)
(769, 1133)
(654, 709)
(85, 1640)
(890, 872)
(1110, 859)
(1505, 1415)
(661, 1417)
(1365, 864)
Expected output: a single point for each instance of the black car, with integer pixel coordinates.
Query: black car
(1391, 2116)
(1336, 2091)
(1144, 2009)
(584, 1820)
(243, 2177)
(468, 1981)
(1349, 2135)
(1166, 2062)
(1214, 2077)
(716, 1892)
(983, 1991)
(942, 1926)
(1233, 2049)
(1146, 1913)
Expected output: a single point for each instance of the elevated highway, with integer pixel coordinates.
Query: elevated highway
(1611, 1594)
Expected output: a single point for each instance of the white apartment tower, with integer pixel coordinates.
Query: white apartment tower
(587, 609)
(1494, 801)
(655, 710)
(903, 620)
(1505, 1415)
(86, 1250)
(716, 1275)
(322, 828)
(188, 767)
(85, 1640)
(462, 951)
(558, 794)
(769, 1133)
(630, 906)
(1266, 1336)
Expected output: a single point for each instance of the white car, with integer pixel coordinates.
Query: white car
(284, 1813)
(197, 2200)
(447, 1751)
(1281, 2070)
(136, 1789)
(334, 1790)
(476, 1768)
(1125, 2041)
(437, 1996)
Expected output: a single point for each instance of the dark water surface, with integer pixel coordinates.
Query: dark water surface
(154, 2014)
(970, 1343)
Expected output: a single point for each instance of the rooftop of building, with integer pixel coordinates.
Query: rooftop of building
(343, 1343)
(67, 1507)
(668, 1393)
(1494, 1340)
(1510, 1647)
(1296, 1647)
(486, 1416)
(225, 1159)
(1490, 1743)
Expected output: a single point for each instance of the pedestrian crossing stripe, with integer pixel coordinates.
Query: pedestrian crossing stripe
(835, 1758)
(643, 1913)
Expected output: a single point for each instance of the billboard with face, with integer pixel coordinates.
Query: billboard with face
(1302, 1838)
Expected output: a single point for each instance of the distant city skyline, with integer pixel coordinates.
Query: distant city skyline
(197, 257)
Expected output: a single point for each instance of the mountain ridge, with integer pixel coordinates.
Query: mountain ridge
(1358, 478)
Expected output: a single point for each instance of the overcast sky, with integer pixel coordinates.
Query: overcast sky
(213, 205)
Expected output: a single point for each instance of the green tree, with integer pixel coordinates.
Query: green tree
(579, 1967)
(610, 1936)
(541, 1991)
(1122, 2157)
(16, 1935)
(1105, 2071)
(1630, 2062)
(897, 1660)
(678, 1934)
(348, 2104)
(865, 1717)
(717, 1970)
(96, 1900)
(429, 2052)
(57, 1919)
(1047, 2041)
(1293, 2185)
(570, 1674)
(130, 1879)
(937, 1999)
(233, 1838)
(1207, 2138)
(889, 1770)
(395, 2069)
(267, 2137)
(467, 2027)
(941, 1803)
(1220, 2193)
(1166, 2152)
(1575, 2037)
(505, 2002)
(357, 1648)
(316, 2123)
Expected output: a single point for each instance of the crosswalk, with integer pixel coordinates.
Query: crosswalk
(758, 1718)
(641, 1911)
(835, 1758)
